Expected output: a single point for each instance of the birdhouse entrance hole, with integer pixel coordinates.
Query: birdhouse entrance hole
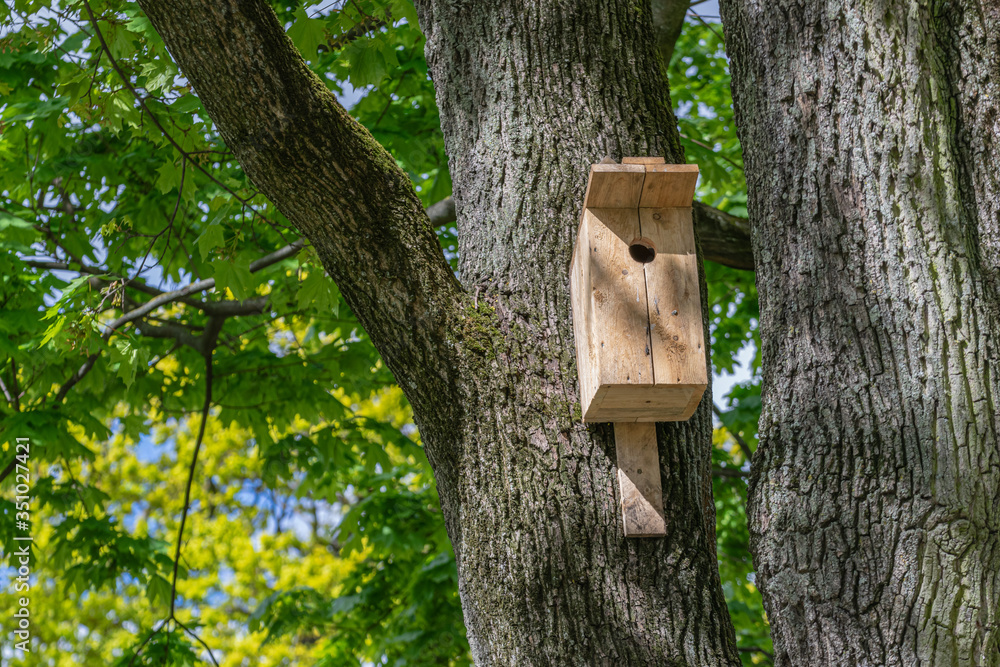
(642, 250)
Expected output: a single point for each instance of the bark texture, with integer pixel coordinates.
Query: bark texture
(530, 95)
(870, 132)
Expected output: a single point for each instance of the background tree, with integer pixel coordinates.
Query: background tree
(195, 270)
(870, 132)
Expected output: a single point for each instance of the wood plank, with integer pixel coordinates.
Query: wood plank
(614, 186)
(674, 298)
(610, 317)
(692, 404)
(579, 278)
(659, 403)
(653, 399)
(668, 185)
(643, 160)
(619, 315)
(639, 480)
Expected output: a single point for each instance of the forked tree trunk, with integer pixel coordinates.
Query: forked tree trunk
(530, 94)
(870, 132)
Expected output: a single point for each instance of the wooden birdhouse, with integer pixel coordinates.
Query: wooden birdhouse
(637, 319)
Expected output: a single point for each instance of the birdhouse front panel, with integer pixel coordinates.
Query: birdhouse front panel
(636, 300)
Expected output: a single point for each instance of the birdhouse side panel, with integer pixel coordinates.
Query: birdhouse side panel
(618, 299)
(674, 299)
(609, 292)
(586, 355)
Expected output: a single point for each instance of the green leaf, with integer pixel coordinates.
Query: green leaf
(129, 357)
(307, 33)
(76, 285)
(213, 237)
(53, 330)
(158, 73)
(158, 590)
(367, 60)
(169, 177)
(319, 294)
(234, 275)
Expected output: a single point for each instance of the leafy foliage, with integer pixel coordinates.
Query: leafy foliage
(313, 534)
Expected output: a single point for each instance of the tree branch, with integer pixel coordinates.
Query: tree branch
(365, 26)
(728, 472)
(231, 307)
(724, 238)
(336, 184)
(175, 331)
(668, 21)
(194, 463)
(166, 297)
(442, 212)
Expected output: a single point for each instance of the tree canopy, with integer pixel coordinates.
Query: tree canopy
(222, 469)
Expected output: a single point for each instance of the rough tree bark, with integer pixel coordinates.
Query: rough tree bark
(870, 132)
(530, 95)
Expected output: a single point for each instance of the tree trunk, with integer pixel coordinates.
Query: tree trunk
(870, 133)
(530, 94)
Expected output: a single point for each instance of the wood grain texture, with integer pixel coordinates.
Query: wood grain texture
(639, 333)
(668, 185)
(672, 299)
(639, 480)
(609, 292)
(643, 403)
(614, 186)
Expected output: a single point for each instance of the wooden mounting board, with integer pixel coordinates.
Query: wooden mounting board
(639, 480)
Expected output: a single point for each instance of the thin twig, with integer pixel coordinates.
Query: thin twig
(6, 392)
(15, 389)
(707, 147)
(190, 480)
(170, 222)
(8, 470)
(707, 25)
(199, 640)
